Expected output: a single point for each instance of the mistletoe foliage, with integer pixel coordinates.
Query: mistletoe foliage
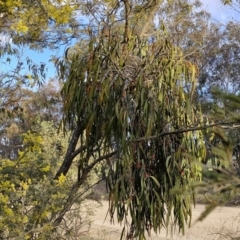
(133, 98)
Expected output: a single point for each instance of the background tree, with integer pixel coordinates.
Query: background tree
(14, 80)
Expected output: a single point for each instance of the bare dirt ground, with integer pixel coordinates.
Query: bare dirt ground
(222, 224)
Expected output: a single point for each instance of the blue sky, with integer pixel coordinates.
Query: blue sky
(219, 13)
(45, 56)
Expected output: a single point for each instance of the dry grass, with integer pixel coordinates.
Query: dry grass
(222, 223)
(87, 222)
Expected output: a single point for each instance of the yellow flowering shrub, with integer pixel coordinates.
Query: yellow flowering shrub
(24, 16)
(29, 198)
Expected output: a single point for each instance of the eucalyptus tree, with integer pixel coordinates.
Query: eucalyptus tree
(219, 68)
(128, 98)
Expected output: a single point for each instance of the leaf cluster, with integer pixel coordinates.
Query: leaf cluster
(120, 95)
(30, 198)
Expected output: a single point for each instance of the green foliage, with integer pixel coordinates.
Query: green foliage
(130, 97)
(30, 198)
(22, 109)
(30, 21)
(224, 178)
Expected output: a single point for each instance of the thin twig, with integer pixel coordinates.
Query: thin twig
(191, 129)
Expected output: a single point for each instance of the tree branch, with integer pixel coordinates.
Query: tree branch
(89, 167)
(127, 12)
(191, 129)
(71, 153)
(79, 150)
(154, 5)
(77, 185)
